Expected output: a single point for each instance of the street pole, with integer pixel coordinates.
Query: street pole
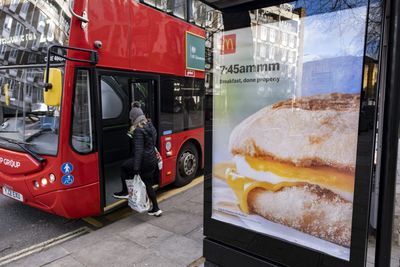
(390, 135)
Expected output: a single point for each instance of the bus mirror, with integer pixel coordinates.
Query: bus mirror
(7, 94)
(52, 92)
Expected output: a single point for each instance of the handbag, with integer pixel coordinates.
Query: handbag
(137, 199)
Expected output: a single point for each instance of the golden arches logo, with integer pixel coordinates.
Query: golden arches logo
(228, 44)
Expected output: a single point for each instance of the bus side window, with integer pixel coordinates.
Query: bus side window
(82, 128)
(194, 96)
(182, 107)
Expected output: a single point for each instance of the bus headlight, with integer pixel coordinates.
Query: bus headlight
(36, 184)
(44, 181)
(52, 178)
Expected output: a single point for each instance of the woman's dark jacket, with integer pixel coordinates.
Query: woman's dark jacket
(144, 141)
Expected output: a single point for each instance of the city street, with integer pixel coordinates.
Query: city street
(22, 226)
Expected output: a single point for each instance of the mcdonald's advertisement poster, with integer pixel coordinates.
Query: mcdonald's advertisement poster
(286, 96)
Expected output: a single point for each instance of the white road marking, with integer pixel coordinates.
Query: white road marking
(44, 245)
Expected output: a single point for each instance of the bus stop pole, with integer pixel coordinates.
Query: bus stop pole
(390, 137)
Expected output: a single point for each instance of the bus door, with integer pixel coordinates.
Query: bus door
(117, 91)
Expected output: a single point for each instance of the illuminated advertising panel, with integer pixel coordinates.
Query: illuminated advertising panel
(285, 124)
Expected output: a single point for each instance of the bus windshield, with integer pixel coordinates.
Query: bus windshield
(24, 117)
(27, 29)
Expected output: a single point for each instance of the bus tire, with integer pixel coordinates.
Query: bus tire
(187, 164)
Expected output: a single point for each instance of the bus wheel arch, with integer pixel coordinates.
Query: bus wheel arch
(188, 162)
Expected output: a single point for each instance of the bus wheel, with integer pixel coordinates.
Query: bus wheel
(187, 165)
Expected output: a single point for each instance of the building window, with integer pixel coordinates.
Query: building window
(272, 52)
(291, 41)
(13, 72)
(28, 93)
(272, 35)
(36, 44)
(13, 55)
(160, 4)
(3, 49)
(263, 33)
(24, 9)
(30, 76)
(284, 55)
(32, 58)
(284, 39)
(14, 5)
(19, 31)
(291, 56)
(7, 26)
(41, 22)
(198, 13)
(50, 32)
(263, 51)
(150, 2)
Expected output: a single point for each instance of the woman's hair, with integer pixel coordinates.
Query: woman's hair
(141, 124)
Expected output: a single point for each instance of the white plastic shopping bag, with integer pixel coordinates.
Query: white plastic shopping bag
(138, 199)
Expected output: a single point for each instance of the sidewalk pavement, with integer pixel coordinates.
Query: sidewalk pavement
(174, 239)
(140, 240)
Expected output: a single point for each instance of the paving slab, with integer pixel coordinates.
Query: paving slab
(97, 236)
(180, 249)
(156, 260)
(199, 198)
(189, 207)
(146, 235)
(175, 220)
(197, 234)
(116, 251)
(67, 261)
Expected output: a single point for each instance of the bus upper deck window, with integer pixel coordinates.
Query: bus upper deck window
(179, 9)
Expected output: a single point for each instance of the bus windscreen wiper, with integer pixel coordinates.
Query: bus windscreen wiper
(24, 148)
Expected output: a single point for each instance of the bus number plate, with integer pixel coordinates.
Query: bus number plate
(10, 193)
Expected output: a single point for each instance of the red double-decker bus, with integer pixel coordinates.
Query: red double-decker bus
(68, 73)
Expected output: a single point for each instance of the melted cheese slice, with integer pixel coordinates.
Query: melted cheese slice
(289, 175)
(242, 186)
(324, 176)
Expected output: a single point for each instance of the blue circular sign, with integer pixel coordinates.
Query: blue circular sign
(67, 168)
(67, 179)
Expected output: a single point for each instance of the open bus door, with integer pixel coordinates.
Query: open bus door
(117, 90)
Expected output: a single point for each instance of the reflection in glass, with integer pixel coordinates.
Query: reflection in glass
(24, 32)
(179, 9)
(25, 116)
(82, 130)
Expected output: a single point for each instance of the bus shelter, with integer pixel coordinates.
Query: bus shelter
(301, 132)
